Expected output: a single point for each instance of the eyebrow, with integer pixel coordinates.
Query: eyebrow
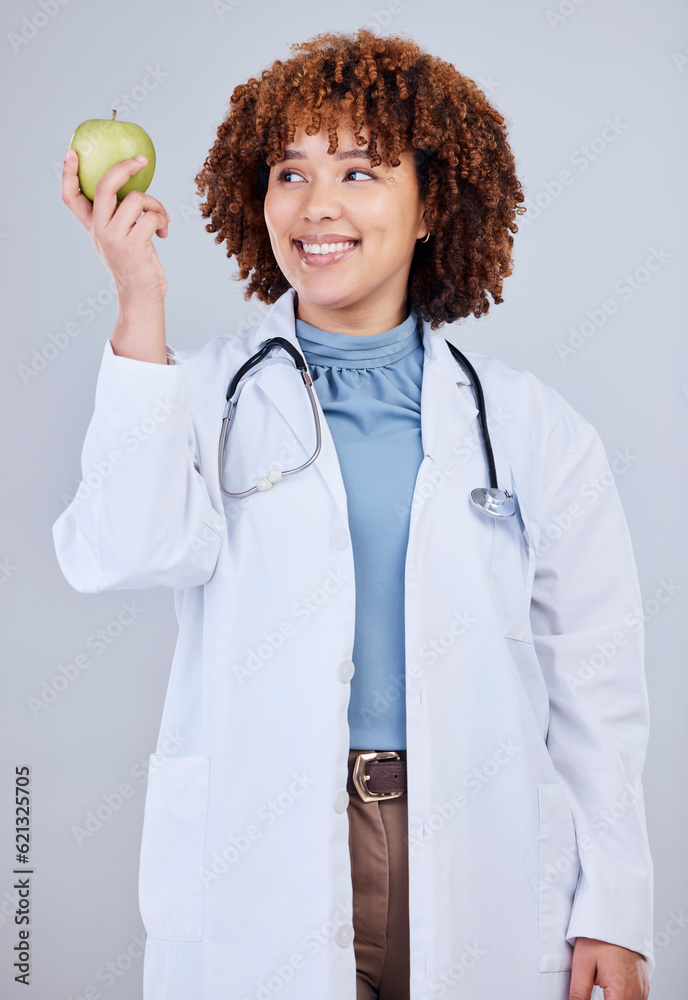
(344, 154)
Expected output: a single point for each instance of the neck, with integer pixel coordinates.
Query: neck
(357, 322)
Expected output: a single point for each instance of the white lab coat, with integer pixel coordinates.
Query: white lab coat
(526, 702)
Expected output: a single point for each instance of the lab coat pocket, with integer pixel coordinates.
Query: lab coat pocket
(512, 569)
(559, 875)
(172, 845)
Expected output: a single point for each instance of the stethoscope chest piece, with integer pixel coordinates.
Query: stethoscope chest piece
(495, 502)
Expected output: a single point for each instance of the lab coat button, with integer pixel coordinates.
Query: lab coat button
(346, 670)
(344, 935)
(340, 538)
(341, 801)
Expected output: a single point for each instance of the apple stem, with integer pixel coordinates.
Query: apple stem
(114, 112)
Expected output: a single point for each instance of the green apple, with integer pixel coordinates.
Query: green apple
(101, 143)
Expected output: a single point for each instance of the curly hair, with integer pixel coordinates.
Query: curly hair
(407, 99)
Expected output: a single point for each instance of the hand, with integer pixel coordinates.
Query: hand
(621, 973)
(122, 239)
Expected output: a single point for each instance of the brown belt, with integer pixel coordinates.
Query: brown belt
(377, 775)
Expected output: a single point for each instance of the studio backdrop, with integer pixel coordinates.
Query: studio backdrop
(595, 96)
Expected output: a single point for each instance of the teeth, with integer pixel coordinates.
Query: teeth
(325, 248)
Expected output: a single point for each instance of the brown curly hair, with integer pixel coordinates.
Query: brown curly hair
(406, 98)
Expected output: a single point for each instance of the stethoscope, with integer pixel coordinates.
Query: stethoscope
(491, 501)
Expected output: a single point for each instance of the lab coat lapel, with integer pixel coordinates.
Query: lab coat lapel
(447, 408)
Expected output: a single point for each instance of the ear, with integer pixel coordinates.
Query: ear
(423, 229)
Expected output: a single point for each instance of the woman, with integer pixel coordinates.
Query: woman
(365, 606)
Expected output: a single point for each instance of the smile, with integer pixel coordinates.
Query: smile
(323, 254)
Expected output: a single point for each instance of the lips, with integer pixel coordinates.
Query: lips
(324, 260)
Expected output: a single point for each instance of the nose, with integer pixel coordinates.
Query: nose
(320, 200)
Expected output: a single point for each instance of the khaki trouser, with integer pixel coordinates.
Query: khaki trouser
(379, 869)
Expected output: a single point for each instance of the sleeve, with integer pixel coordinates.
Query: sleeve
(586, 616)
(141, 516)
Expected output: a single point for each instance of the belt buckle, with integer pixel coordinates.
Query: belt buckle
(359, 776)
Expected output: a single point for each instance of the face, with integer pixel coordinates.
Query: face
(315, 199)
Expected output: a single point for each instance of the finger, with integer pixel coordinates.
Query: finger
(130, 208)
(164, 230)
(583, 971)
(77, 202)
(151, 222)
(105, 197)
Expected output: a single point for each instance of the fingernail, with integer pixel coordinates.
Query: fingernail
(67, 152)
(140, 158)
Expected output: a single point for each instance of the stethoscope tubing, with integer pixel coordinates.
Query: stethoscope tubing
(482, 417)
(230, 408)
(494, 502)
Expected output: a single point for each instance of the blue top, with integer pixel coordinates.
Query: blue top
(369, 388)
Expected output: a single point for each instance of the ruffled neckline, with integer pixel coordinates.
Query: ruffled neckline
(346, 350)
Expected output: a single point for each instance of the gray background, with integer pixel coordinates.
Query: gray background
(557, 71)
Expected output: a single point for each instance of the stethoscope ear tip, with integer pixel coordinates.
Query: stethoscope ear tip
(494, 502)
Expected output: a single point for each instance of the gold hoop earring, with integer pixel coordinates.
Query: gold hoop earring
(425, 238)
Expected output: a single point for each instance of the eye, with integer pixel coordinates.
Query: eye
(283, 174)
(364, 173)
